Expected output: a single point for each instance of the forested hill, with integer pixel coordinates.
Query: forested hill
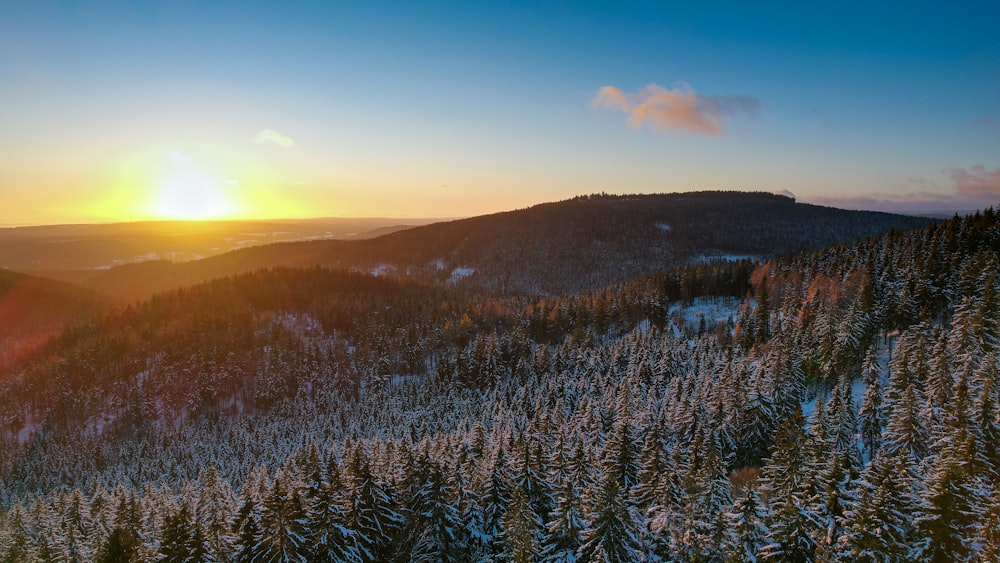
(552, 249)
(34, 311)
(838, 405)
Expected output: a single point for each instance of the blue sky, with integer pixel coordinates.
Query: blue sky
(448, 109)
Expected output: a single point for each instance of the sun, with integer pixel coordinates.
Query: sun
(187, 191)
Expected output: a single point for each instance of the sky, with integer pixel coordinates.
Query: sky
(120, 111)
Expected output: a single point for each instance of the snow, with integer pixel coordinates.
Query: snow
(29, 429)
(439, 264)
(726, 257)
(460, 273)
(714, 310)
(662, 225)
(382, 269)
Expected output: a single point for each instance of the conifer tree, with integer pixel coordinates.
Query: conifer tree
(747, 529)
(521, 529)
(946, 512)
(282, 521)
(611, 534)
(784, 479)
(880, 522)
(872, 416)
(565, 529)
(371, 513)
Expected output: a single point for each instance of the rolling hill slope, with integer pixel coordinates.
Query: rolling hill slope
(553, 248)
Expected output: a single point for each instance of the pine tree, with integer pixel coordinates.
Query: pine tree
(441, 537)
(946, 513)
(521, 529)
(611, 534)
(248, 530)
(328, 535)
(784, 479)
(372, 513)
(122, 546)
(214, 511)
(872, 416)
(880, 522)
(747, 529)
(182, 539)
(565, 529)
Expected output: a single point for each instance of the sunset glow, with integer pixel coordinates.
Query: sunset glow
(425, 110)
(187, 191)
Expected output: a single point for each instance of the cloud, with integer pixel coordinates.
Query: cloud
(678, 109)
(178, 157)
(988, 121)
(976, 182)
(970, 188)
(272, 136)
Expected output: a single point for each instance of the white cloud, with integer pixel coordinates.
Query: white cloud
(272, 136)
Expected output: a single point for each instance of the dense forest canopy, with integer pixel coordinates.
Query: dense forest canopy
(838, 404)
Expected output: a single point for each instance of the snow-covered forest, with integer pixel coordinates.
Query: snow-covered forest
(846, 410)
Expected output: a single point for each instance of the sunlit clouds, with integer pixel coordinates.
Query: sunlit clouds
(976, 181)
(966, 188)
(272, 136)
(678, 110)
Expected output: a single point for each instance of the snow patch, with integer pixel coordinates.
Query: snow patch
(726, 258)
(713, 309)
(460, 273)
(663, 225)
(382, 269)
(30, 429)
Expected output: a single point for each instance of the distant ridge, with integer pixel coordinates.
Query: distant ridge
(552, 248)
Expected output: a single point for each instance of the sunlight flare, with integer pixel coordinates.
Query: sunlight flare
(187, 191)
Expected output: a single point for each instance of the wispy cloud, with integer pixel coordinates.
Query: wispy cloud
(178, 157)
(677, 109)
(988, 121)
(970, 188)
(272, 136)
(976, 182)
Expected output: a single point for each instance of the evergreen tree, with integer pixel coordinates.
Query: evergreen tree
(442, 535)
(565, 529)
(327, 533)
(122, 546)
(784, 479)
(946, 512)
(747, 529)
(611, 534)
(521, 529)
(181, 538)
(371, 513)
(872, 416)
(248, 530)
(880, 522)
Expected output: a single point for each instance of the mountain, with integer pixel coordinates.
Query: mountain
(838, 404)
(556, 248)
(34, 311)
(42, 249)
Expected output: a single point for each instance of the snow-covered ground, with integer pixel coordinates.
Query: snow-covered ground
(713, 309)
(460, 273)
(382, 269)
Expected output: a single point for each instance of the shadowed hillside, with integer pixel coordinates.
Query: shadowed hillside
(554, 248)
